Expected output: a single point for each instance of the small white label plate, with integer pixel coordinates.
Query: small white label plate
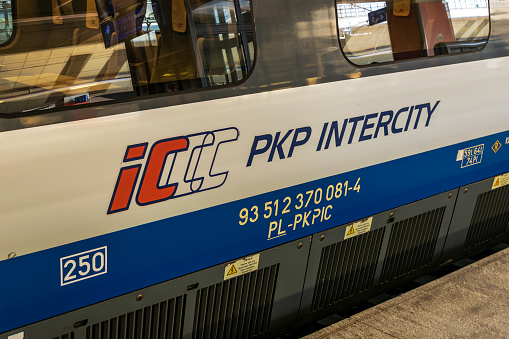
(242, 266)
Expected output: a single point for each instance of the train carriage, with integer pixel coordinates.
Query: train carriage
(237, 168)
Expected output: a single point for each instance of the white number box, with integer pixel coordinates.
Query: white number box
(472, 155)
(84, 265)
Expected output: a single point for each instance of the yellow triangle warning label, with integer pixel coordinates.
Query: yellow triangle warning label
(241, 266)
(358, 228)
(232, 270)
(497, 182)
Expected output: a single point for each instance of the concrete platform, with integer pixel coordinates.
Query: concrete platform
(472, 302)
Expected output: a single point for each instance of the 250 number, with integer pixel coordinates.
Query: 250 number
(83, 265)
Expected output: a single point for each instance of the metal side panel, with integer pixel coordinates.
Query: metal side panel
(345, 266)
(481, 218)
(250, 297)
(413, 244)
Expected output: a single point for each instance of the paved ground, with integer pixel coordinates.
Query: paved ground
(471, 302)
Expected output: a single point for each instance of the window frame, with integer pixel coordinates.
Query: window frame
(393, 62)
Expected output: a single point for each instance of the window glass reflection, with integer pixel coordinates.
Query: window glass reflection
(6, 26)
(385, 31)
(78, 52)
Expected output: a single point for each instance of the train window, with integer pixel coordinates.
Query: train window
(384, 31)
(82, 51)
(6, 24)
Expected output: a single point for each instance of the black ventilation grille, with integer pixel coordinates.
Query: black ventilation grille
(66, 336)
(236, 308)
(160, 321)
(412, 244)
(490, 217)
(347, 268)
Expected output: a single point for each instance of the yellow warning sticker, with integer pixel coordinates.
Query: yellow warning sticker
(241, 266)
(232, 270)
(358, 228)
(496, 146)
(500, 181)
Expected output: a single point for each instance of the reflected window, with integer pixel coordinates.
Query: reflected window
(84, 51)
(384, 31)
(6, 23)
(192, 44)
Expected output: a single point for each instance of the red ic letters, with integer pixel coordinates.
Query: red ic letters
(175, 167)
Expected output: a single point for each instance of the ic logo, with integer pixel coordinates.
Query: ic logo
(174, 167)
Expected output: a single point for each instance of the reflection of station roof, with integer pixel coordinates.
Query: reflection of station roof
(209, 6)
(28, 80)
(373, 42)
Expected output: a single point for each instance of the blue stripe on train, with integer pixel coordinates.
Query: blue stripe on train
(165, 249)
